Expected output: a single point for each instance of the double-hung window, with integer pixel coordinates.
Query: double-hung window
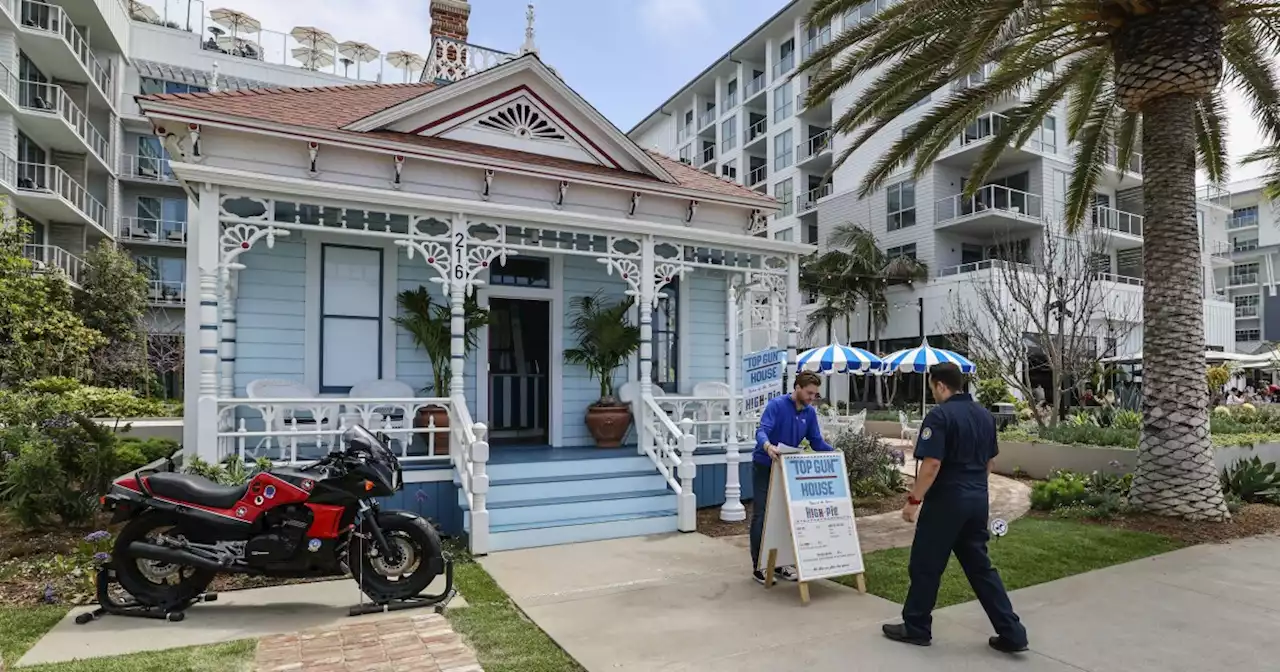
(350, 317)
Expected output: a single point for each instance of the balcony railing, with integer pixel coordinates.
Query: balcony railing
(1134, 165)
(990, 197)
(707, 118)
(1211, 192)
(52, 98)
(51, 257)
(822, 39)
(152, 230)
(1243, 221)
(167, 292)
(684, 133)
(758, 130)
(1242, 279)
(755, 86)
(728, 143)
(141, 167)
(757, 175)
(51, 18)
(1121, 279)
(984, 265)
(1117, 220)
(452, 60)
(1241, 246)
(730, 100)
(784, 65)
(52, 179)
(708, 154)
(983, 128)
(1246, 311)
(809, 200)
(974, 79)
(814, 146)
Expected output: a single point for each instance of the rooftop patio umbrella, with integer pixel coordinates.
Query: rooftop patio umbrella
(836, 358)
(235, 20)
(360, 52)
(919, 359)
(141, 11)
(312, 59)
(314, 38)
(406, 60)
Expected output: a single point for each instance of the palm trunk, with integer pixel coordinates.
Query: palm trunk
(1176, 475)
(866, 384)
(879, 382)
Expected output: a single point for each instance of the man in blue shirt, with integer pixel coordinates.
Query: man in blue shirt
(786, 421)
(957, 444)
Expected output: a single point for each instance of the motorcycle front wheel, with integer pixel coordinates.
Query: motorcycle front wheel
(419, 558)
(152, 582)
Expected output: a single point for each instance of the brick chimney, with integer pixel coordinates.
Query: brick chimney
(449, 18)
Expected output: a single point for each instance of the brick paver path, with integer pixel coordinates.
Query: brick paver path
(422, 643)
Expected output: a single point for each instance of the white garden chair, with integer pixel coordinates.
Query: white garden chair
(910, 430)
(713, 413)
(283, 418)
(400, 416)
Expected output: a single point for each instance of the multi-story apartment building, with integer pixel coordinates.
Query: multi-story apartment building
(1253, 239)
(962, 240)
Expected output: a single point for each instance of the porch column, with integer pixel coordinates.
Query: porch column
(793, 309)
(646, 301)
(227, 281)
(732, 510)
(458, 277)
(208, 257)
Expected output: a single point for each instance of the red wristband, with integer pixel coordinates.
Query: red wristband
(913, 501)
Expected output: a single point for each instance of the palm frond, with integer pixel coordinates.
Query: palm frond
(1249, 71)
(1210, 120)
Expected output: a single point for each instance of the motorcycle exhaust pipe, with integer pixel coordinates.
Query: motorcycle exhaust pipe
(145, 551)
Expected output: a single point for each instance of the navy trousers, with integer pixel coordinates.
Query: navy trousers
(759, 495)
(956, 523)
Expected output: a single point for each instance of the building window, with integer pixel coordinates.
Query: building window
(811, 234)
(785, 234)
(1049, 135)
(783, 192)
(786, 58)
(1243, 217)
(730, 169)
(522, 272)
(1246, 335)
(686, 154)
(783, 150)
(908, 251)
(151, 85)
(32, 160)
(729, 134)
(1246, 305)
(901, 199)
(1243, 274)
(731, 94)
(666, 340)
(163, 218)
(165, 276)
(350, 317)
(784, 104)
(1244, 244)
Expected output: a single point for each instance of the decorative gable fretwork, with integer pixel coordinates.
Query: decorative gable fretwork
(522, 120)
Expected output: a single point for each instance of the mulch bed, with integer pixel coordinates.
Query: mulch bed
(1251, 520)
(709, 522)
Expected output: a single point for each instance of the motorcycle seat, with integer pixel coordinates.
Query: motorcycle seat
(195, 489)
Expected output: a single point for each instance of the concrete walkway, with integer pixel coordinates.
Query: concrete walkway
(685, 602)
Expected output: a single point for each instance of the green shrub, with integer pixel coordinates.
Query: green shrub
(1073, 495)
(992, 391)
(1127, 419)
(872, 465)
(30, 405)
(232, 471)
(1252, 480)
(1090, 435)
(1062, 490)
(151, 449)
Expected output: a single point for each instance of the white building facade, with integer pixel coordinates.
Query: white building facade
(962, 240)
(1252, 233)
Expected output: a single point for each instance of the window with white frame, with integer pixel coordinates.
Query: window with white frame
(1246, 305)
(1049, 134)
(1243, 274)
(1246, 335)
(729, 134)
(731, 94)
(1243, 217)
(730, 169)
(783, 150)
(350, 317)
(784, 104)
(908, 250)
(901, 203)
(785, 235)
(783, 192)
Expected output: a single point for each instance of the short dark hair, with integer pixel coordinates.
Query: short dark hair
(948, 374)
(807, 378)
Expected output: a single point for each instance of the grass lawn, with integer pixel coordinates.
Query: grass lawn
(1035, 551)
(504, 639)
(21, 627)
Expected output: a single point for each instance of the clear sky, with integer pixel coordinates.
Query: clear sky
(624, 56)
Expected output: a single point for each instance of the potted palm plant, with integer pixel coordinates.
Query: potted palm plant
(606, 338)
(428, 323)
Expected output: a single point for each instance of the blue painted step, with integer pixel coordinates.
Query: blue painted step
(582, 467)
(574, 486)
(530, 535)
(551, 510)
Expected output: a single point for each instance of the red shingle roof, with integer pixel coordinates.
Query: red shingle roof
(330, 108)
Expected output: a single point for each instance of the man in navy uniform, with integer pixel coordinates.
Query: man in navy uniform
(957, 444)
(787, 420)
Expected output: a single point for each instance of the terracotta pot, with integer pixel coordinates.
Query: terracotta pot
(429, 416)
(608, 424)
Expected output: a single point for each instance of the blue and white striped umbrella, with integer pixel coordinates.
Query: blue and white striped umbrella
(836, 358)
(919, 359)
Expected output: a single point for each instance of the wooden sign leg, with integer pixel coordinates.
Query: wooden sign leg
(804, 593)
(861, 580)
(770, 567)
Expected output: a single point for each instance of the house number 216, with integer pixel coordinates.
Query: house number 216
(459, 252)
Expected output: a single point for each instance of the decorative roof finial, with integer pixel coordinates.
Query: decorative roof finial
(213, 79)
(529, 47)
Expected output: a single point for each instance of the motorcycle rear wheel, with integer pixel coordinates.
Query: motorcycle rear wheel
(150, 582)
(415, 569)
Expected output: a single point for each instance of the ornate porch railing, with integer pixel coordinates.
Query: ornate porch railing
(469, 452)
(671, 449)
(291, 431)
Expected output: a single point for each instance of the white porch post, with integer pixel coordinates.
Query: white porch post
(793, 310)
(209, 256)
(732, 510)
(458, 278)
(226, 388)
(644, 306)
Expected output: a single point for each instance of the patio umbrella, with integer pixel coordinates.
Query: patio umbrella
(360, 52)
(314, 38)
(919, 359)
(405, 60)
(235, 20)
(141, 11)
(312, 59)
(836, 358)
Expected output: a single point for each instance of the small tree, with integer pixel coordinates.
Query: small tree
(113, 302)
(40, 332)
(606, 338)
(429, 323)
(1051, 299)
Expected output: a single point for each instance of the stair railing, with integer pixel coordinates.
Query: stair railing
(671, 449)
(469, 452)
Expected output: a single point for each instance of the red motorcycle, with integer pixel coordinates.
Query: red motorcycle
(316, 521)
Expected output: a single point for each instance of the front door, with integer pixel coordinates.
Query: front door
(519, 361)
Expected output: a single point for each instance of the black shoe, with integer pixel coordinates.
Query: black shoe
(898, 633)
(758, 576)
(999, 643)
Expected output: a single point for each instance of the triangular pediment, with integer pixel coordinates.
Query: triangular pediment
(520, 106)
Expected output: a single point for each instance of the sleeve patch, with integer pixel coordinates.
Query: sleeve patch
(926, 433)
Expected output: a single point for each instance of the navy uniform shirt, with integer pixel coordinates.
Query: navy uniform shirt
(962, 434)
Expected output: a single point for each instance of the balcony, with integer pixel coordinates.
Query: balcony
(816, 147)
(757, 176)
(788, 208)
(149, 231)
(52, 119)
(146, 169)
(1242, 279)
(1119, 279)
(51, 258)
(973, 141)
(1246, 312)
(1246, 221)
(166, 293)
(985, 265)
(1126, 224)
(757, 132)
(708, 155)
(730, 100)
(104, 18)
(822, 39)
(784, 65)
(49, 194)
(1132, 168)
(993, 209)
(754, 87)
(1214, 195)
(1220, 254)
(809, 201)
(684, 133)
(451, 60)
(707, 118)
(49, 37)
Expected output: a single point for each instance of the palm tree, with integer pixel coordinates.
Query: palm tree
(1133, 73)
